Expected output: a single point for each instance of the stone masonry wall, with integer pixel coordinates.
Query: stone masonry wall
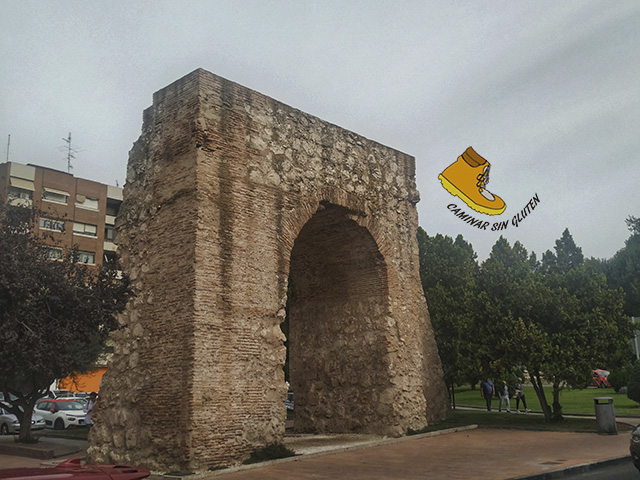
(227, 190)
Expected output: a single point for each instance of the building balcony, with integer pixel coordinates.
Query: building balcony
(110, 246)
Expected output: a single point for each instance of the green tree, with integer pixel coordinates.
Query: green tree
(557, 319)
(619, 377)
(633, 383)
(506, 296)
(623, 270)
(447, 272)
(55, 316)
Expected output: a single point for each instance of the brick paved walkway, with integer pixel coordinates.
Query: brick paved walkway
(472, 454)
(481, 454)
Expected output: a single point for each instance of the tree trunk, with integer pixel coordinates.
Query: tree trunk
(536, 381)
(557, 408)
(453, 394)
(26, 436)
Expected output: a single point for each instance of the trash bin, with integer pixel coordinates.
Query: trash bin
(605, 415)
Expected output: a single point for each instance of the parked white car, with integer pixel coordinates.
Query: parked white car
(9, 422)
(61, 413)
(60, 394)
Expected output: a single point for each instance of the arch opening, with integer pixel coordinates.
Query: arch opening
(338, 308)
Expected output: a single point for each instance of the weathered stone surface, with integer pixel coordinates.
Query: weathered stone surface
(228, 193)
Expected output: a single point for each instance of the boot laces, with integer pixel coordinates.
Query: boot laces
(483, 180)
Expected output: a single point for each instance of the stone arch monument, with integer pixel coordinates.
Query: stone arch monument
(229, 194)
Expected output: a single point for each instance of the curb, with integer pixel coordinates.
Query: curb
(25, 451)
(42, 450)
(576, 469)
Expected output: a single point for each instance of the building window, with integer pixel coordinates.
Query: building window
(109, 233)
(22, 183)
(19, 197)
(86, 257)
(113, 206)
(55, 196)
(85, 229)
(110, 258)
(54, 253)
(50, 224)
(21, 193)
(86, 202)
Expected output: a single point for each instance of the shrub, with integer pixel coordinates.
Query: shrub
(633, 383)
(618, 378)
(270, 452)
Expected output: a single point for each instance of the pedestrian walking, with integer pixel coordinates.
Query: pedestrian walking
(520, 396)
(504, 397)
(90, 408)
(487, 390)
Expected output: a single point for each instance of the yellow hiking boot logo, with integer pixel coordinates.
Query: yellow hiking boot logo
(467, 178)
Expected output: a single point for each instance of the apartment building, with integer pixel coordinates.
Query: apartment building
(74, 211)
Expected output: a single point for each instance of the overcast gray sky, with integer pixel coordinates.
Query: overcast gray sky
(547, 91)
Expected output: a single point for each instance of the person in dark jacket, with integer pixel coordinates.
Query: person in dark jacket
(520, 396)
(487, 390)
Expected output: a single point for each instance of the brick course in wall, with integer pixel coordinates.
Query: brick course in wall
(229, 194)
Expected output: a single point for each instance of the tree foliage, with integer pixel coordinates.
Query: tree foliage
(623, 270)
(447, 271)
(633, 382)
(557, 318)
(55, 315)
(618, 378)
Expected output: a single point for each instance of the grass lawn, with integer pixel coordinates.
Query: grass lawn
(493, 419)
(572, 401)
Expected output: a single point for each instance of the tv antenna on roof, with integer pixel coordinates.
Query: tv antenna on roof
(70, 152)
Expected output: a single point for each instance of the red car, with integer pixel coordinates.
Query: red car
(73, 470)
(600, 378)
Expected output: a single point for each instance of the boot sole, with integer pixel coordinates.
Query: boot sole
(453, 190)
